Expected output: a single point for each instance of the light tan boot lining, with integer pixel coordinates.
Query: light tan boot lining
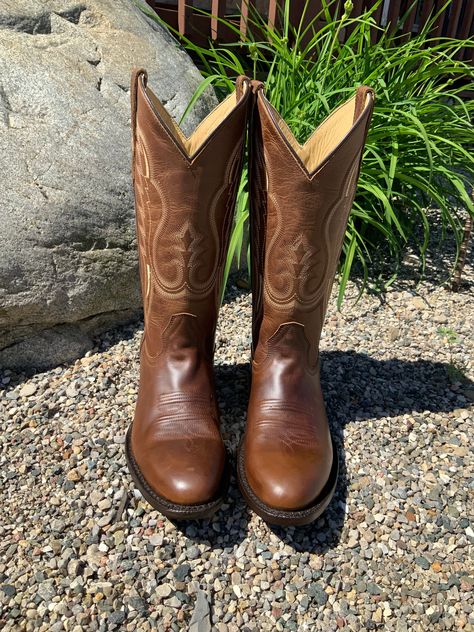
(192, 143)
(325, 138)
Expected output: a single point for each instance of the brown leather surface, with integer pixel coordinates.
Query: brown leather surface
(184, 209)
(301, 196)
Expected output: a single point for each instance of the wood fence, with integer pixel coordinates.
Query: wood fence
(456, 21)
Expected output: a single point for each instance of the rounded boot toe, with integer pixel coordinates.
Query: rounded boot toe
(287, 482)
(184, 476)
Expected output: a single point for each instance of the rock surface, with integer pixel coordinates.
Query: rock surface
(69, 264)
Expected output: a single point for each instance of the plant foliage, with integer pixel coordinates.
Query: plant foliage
(418, 154)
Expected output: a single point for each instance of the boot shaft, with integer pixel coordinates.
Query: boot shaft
(185, 190)
(301, 198)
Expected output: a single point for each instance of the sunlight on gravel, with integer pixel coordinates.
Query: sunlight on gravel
(80, 550)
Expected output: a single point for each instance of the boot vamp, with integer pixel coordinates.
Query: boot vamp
(288, 448)
(175, 434)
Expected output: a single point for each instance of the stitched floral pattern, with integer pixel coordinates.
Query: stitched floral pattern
(184, 243)
(300, 256)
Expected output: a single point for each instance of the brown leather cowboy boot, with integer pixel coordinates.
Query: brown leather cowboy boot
(185, 190)
(301, 198)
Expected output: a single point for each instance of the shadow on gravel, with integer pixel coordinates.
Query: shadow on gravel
(357, 387)
(232, 385)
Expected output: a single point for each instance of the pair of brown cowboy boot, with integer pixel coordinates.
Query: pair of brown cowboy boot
(185, 190)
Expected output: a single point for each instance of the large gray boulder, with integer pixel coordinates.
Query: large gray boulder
(68, 261)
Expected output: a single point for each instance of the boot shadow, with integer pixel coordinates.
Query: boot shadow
(356, 387)
(232, 386)
(220, 532)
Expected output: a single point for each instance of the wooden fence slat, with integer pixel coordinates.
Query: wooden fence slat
(466, 23)
(465, 30)
(302, 17)
(394, 14)
(438, 24)
(428, 7)
(185, 15)
(246, 9)
(273, 7)
(168, 14)
(376, 15)
(297, 8)
(454, 18)
(218, 12)
(411, 17)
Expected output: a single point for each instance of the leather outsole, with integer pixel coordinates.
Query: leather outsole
(284, 517)
(165, 506)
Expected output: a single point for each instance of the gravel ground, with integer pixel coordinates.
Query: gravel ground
(80, 549)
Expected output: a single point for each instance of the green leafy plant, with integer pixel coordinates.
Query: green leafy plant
(236, 243)
(417, 158)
